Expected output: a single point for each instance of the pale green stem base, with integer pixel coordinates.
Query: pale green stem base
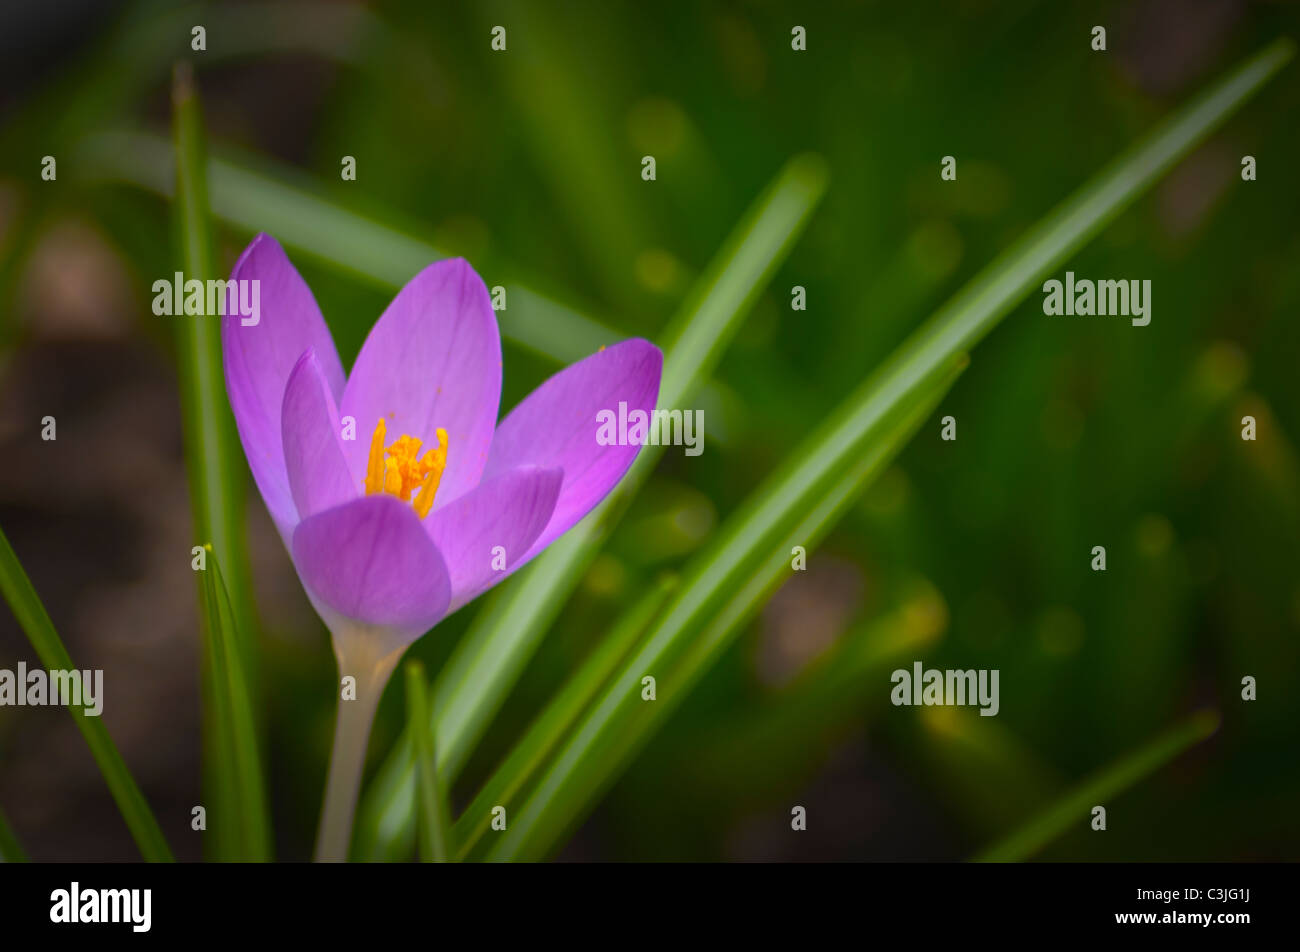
(370, 657)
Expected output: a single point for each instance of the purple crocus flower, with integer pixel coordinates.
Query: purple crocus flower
(433, 501)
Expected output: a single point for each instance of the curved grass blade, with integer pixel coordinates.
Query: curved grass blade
(232, 727)
(434, 819)
(1072, 809)
(722, 588)
(11, 851)
(559, 715)
(252, 201)
(864, 425)
(492, 655)
(34, 620)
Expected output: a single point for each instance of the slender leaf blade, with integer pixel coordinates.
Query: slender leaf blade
(233, 727)
(35, 621)
(1072, 810)
(434, 826)
(559, 715)
(208, 442)
(268, 199)
(477, 679)
(216, 482)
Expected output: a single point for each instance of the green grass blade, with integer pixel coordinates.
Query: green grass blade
(559, 715)
(202, 388)
(736, 277)
(216, 481)
(695, 626)
(11, 851)
(232, 728)
(491, 657)
(476, 680)
(34, 620)
(252, 200)
(1073, 810)
(434, 818)
(722, 588)
(998, 288)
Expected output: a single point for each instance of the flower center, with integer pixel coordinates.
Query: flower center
(400, 469)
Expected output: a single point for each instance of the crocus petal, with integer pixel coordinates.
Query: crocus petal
(259, 358)
(432, 360)
(371, 561)
(313, 444)
(556, 425)
(509, 511)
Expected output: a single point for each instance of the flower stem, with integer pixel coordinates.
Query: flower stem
(363, 655)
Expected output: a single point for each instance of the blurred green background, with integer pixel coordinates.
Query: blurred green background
(1072, 432)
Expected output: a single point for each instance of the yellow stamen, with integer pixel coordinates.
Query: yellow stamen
(393, 479)
(435, 461)
(375, 464)
(405, 454)
(399, 470)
